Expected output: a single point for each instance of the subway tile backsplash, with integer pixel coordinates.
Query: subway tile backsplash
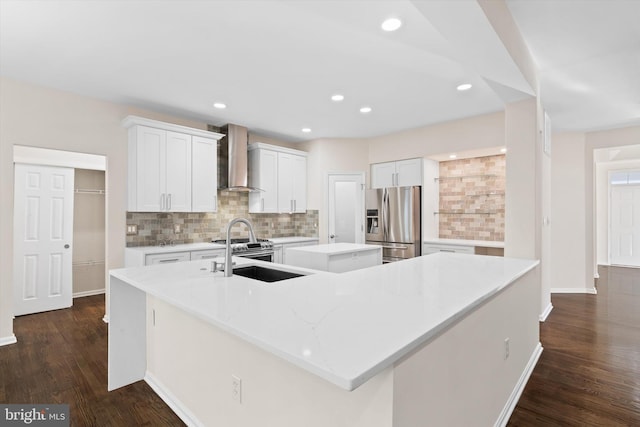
(471, 203)
(155, 228)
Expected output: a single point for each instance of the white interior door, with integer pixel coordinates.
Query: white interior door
(43, 233)
(624, 236)
(346, 208)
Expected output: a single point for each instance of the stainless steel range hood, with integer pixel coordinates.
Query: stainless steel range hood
(232, 159)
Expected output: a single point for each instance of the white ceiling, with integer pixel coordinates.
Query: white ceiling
(276, 63)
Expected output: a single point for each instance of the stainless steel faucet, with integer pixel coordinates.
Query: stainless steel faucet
(228, 265)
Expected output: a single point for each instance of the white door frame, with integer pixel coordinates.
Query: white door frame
(76, 160)
(359, 174)
(610, 188)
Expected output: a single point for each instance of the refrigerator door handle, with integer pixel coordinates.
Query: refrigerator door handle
(385, 213)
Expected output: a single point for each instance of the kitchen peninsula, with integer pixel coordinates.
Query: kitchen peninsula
(443, 339)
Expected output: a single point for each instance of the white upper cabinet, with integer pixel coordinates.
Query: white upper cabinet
(292, 183)
(178, 172)
(171, 168)
(282, 175)
(401, 173)
(204, 178)
(263, 174)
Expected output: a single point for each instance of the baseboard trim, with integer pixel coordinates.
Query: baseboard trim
(172, 402)
(88, 293)
(574, 291)
(546, 312)
(503, 419)
(11, 339)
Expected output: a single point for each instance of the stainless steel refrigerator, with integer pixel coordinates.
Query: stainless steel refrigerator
(393, 220)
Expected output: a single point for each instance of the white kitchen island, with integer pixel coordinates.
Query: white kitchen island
(336, 257)
(445, 339)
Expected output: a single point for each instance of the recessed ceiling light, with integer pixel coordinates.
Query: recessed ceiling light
(337, 97)
(365, 110)
(503, 150)
(220, 105)
(452, 156)
(465, 86)
(306, 130)
(391, 24)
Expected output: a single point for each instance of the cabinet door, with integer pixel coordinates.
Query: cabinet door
(409, 172)
(204, 175)
(383, 175)
(286, 176)
(178, 172)
(150, 177)
(292, 183)
(264, 175)
(299, 183)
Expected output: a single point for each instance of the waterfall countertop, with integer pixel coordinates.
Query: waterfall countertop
(346, 327)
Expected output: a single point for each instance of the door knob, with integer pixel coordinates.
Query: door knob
(66, 246)
(331, 236)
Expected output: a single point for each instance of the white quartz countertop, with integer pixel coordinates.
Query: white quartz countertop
(292, 239)
(461, 242)
(336, 248)
(346, 327)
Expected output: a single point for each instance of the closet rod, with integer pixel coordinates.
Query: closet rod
(88, 191)
(83, 263)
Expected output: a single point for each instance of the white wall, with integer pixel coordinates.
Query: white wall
(40, 117)
(468, 134)
(569, 222)
(573, 176)
(330, 155)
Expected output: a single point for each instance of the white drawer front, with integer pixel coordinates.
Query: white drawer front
(167, 258)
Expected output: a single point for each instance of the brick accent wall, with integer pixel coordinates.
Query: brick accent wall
(153, 227)
(471, 202)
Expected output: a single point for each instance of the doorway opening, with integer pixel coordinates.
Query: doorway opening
(81, 257)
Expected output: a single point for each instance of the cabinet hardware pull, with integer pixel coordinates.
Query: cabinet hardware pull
(169, 202)
(395, 247)
(162, 202)
(170, 260)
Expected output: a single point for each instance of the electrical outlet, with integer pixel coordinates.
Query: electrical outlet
(506, 348)
(177, 228)
(132, 229)
(236, 389)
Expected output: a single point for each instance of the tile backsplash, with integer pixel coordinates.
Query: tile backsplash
(471, 202)
(156, 227)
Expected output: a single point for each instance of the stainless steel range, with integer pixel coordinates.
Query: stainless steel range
(261, 250)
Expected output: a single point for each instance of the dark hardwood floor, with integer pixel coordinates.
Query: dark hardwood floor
(588, 374)
(589, 371)
(61, 357)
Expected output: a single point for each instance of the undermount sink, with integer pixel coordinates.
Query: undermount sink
(264, 274)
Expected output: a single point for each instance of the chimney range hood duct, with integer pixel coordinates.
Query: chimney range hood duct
(232, 159)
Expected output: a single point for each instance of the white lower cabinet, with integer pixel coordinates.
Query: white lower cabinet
(149, 255)
(336, 258)
(277, 254)
(286, 246)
